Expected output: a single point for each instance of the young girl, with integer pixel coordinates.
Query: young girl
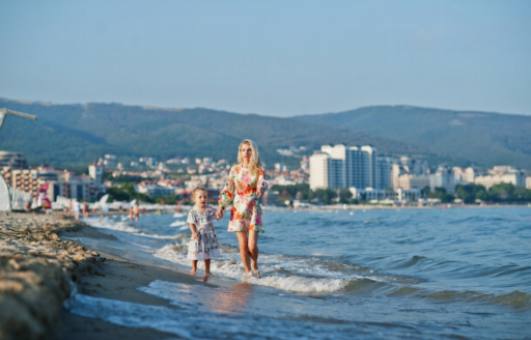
(204, 243)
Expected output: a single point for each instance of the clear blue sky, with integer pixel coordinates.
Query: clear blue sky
(269, 57)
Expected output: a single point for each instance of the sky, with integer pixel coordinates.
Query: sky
(279, 58)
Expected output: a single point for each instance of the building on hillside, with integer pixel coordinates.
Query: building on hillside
(54, 182)
(96, 172)
(13, 160)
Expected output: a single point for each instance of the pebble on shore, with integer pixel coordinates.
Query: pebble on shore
(37, 268)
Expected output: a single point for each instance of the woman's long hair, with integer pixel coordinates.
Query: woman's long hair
(255, 156)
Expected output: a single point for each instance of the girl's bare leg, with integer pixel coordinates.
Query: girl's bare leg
(207, 270)
(194, 267)
(253, 248)
(244, 250)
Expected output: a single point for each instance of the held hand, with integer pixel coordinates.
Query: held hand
(219, 213)
(195, 236)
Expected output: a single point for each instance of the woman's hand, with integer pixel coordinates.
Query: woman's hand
(219, 212)
(195, 235)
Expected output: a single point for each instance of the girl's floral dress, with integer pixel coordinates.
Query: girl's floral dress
(240, 194)
(207, 246)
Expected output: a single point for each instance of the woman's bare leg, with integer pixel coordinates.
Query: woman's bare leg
(244, 250)
(253, 248)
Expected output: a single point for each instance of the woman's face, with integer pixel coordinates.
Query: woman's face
(246, 151)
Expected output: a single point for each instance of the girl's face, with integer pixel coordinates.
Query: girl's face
(246, 151)
(201, 198)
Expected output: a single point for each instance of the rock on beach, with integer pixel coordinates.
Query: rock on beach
(37, 270)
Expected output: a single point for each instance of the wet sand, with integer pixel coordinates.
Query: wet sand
(39, 270)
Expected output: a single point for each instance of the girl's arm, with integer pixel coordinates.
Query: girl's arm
(193, 229)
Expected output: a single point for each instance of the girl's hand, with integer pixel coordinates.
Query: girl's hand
(195, 236)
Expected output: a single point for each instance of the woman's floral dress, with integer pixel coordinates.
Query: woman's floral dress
(240, 194)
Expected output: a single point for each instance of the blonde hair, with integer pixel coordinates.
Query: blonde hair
(255, 156)
(196, 190)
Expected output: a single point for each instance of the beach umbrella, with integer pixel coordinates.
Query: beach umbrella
(5, 201)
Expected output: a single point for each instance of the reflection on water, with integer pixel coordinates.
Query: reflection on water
(232, 300)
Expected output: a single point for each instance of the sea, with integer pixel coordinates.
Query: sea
(420, 273)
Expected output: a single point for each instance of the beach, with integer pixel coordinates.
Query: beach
(39, 270)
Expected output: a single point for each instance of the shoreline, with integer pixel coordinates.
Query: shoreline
(40, 270)
(119, 280)
(37, 269)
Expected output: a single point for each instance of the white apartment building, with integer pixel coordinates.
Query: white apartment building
(319, 171)
(443, 178)
(463, 176)
(502, 174)
(341, 167)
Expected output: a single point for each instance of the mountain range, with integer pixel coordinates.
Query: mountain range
(75, 134)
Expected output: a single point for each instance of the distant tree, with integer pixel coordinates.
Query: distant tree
(425, 192)
(324, 196)
(442, 195)
(126, 192)
(344, 196)
(470, 192)
(507, 192)
(292, 192)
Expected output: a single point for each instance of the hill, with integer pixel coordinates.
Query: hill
(74, 134)
(481, 138)
(78, 133)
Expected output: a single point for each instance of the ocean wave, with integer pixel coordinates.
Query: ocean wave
(293, 274)
(128, 314)
(515, 299)
(124, 226)
(178, 223)
(112, 224)
(411, 262)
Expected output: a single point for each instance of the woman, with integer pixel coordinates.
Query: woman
(245, 186)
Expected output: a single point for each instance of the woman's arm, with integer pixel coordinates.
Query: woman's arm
(226, 196)
(261, 184)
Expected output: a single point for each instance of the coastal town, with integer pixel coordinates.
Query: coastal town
(334, 174)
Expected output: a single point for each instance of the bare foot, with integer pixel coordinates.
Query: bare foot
(205, 278)
(193, 271)
(247, 276)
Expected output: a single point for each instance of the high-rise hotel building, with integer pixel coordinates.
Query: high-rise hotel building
(342, 167)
